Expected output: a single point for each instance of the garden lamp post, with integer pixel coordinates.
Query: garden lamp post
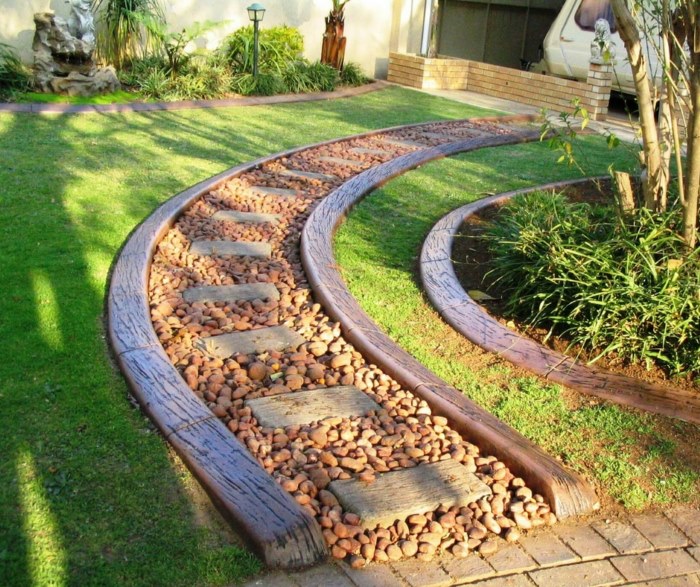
(256, 12)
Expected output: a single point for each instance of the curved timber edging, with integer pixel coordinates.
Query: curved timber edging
(277, 528)
(567, 493)
(444, 290)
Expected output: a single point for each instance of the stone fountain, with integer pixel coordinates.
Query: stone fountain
(64, 54)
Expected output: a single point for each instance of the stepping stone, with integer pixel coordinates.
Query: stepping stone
(242, 249)
(363, 151)
(303, 407)
(339, 161)
(437, 135)
(399, 143)
(272, 338)
(232, 293)
(399, 494)
(307, 175)
(250, 217)
(266, 191)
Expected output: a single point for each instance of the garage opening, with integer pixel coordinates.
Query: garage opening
(501, 32)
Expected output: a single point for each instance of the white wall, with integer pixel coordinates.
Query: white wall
(17, 22)
(372, 27)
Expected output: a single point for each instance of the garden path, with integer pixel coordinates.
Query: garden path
(641, 550)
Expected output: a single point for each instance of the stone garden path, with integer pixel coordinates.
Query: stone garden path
(309, 426)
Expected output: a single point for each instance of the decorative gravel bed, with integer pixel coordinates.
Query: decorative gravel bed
(305, 459)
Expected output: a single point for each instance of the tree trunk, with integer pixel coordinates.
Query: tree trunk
(654, 183)
(690, 208)
(333, 49)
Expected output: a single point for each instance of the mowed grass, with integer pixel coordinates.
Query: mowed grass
(635, 459)
(119, 97)
(89, 493)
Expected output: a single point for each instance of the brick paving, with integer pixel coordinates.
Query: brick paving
(648, 550)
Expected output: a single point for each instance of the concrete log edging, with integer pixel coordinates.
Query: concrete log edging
(281, 532)
(567, 493)
(445, 292)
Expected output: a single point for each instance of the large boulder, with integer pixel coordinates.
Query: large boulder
(63, 55)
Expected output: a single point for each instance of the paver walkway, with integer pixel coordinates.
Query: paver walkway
(646, 550)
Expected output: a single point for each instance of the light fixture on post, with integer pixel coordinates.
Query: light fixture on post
(256, 12)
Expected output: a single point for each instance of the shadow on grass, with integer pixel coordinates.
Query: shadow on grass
(89, 494)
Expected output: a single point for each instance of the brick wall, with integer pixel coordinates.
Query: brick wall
(434, 74)
(526, 87)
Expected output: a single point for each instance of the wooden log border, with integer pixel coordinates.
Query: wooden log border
(472, 321)
(274, 525)
(567, 493)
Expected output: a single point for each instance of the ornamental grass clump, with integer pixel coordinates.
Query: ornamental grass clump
(14, 75)
(610, 284)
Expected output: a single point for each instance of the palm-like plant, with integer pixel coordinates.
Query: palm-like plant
(333, 49)
(121, 35)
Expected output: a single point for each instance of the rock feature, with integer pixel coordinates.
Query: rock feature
(64, 54)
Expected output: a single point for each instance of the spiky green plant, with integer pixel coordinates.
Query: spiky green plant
(14, 76)
(121, 35)
(612, 285)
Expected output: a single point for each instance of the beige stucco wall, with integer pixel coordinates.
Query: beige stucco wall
(372, 27)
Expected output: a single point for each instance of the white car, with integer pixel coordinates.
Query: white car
(567, 46)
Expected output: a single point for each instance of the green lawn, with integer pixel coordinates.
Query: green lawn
(89, 494)
(120, 97)
(636, 460)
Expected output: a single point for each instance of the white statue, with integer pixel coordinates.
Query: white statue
(602, 48)
(81, 22)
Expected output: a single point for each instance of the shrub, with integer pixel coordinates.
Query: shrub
(302, 76)
(266, 84)
(278, 47)
(608, 284)
(138, 69)
(296, 78)
(153, 83)
(14, 76)
(121, 35)
(324, 78)
(352, 75)
(203, 77)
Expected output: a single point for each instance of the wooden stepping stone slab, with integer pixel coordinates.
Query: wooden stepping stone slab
(399, 494)
(272, 338)
(232, 293)
(250, 217)
(438, 135)
(363, 151)
(242, 249)
(266, 191)
(339, 161)
(399, 143)
(307, 175)
(304, 407)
